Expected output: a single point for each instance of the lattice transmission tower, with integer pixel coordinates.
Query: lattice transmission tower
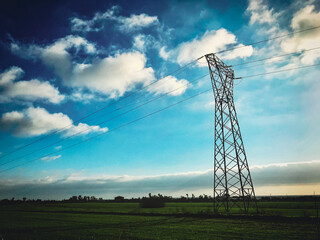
(233, 186)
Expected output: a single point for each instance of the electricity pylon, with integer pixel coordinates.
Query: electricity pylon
(233, 186)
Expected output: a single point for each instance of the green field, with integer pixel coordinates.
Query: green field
(278, 220)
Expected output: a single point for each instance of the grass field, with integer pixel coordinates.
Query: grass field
(280, 220)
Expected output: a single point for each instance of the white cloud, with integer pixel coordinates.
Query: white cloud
(198, 182)
(260, 13)
(79, 25)
(210, 42)
(37, 121)
(169, 84)
(124, 24)
(287, 173)
(56, 55)
(26, 90)
(96, 23)
(9, 75)
(144, 42)
(267, 21)
(84, 97)
(111, 76)
(163, 53)
(34, 89)
(139, 42)
(303, 19)
(116, 75)
(135, 22)
(59, 47)
(50, 158)
(241, 51)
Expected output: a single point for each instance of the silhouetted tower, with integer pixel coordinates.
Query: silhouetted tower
(232, 180)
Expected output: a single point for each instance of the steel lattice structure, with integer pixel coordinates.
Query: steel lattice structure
(232, 180)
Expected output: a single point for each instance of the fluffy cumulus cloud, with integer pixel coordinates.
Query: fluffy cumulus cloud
(111, 75)
(306, 18)
(266, 20)
(272, 175)
(170, 85)
(30, 90)
(9, 75)
(55, 55)
(37, 121)
(124, 24)
(260, 13)
(211, 41)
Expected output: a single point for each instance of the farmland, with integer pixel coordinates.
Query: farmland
(277, 220)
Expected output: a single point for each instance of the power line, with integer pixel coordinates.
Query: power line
(264, 59)
(99, 110)
(139, 106)
(284, 70)
(269, 39)
(150, 114)
(134, 92)
(111, 130)
(263, 64)
(278, 56)
(103, 122)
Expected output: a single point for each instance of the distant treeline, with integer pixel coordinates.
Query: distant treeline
(159, 198)
(80, 198)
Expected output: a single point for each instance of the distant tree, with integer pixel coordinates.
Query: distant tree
(24, 199)
(119, 199)
(73, 199)
(6, 201)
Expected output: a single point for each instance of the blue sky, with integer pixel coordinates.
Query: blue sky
(64, 60)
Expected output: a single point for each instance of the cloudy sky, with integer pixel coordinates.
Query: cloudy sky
(65, 60)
